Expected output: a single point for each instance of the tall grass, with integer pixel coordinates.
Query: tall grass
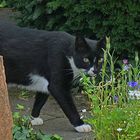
(115, 116)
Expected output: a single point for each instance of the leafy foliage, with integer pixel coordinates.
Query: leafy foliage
(2, 3)
(116, 114)
(118, 19)
(22, 129)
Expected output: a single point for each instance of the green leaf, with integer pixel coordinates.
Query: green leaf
(56, 137)
(39, 10)
(20, 107)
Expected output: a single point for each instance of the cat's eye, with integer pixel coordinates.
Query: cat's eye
(100, 60)
(86, 60)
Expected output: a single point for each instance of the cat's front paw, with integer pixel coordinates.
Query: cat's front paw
(36, 121)
(83, 128)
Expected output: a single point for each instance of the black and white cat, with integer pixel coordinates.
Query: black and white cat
(47, 62)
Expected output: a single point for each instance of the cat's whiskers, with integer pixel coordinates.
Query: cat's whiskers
(71, 72)
(75, 78)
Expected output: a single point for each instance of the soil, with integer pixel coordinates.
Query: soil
(55, 122)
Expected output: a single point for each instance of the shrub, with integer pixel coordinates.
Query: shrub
(2, 3)
(118, 19)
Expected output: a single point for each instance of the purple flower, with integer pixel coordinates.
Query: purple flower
(132, 84)
(125, 61)
(116, 99)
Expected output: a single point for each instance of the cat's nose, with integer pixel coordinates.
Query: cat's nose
(91, 72)
(95, 71)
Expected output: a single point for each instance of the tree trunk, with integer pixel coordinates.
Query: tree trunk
(5, 111)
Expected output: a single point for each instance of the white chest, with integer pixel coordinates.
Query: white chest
(76, 71)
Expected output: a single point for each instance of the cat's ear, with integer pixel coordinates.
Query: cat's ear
(101, 44)
(81, 44)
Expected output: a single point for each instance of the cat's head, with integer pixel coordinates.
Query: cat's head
(88, 55)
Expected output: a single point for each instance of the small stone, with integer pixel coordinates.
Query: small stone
(84, 110)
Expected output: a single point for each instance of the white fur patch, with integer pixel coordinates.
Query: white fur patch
(76, 71)
(37, 121)
(38, 83)
(83, 128)
(91, 71)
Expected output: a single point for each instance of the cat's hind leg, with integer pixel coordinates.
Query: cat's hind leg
(40, 100)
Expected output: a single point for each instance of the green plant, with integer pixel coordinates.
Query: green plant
(2, 3)
(23, 130)
(24, 94)
(115, 115)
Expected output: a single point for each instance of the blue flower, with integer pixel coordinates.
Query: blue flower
(116, 99)
(132, 84)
